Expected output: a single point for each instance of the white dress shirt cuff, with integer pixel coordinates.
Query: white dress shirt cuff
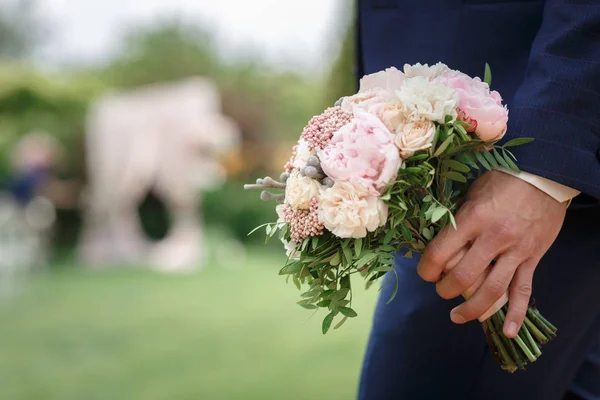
(559, 192)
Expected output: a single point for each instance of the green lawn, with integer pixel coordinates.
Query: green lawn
(222, 333)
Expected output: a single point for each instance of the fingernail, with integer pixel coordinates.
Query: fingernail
(456, 317)
(511, 329)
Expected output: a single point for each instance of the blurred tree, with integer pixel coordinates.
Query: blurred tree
(21, 29)
(161, 52)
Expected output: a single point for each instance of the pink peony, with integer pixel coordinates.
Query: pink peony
(362, 152)
(477, 105)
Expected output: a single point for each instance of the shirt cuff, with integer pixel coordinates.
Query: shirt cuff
(557, 191)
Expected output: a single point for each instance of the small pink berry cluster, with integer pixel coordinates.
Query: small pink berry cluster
(463, 117)
(321, 128)
(289, 166)
(303, 223)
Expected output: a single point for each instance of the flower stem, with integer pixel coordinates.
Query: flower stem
(535, 331)
(537, 313)
(540, 324)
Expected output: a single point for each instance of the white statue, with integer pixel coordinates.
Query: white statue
(166, 138)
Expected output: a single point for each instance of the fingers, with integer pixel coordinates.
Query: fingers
(520, 293)
(468, 269)
(492, 289)
(444, 248)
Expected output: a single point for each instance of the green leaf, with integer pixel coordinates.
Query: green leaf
(395, 288)
(418, 157)
(443, 146)
(436, 137)
(348, 255)
(510, 162)
(357, 247)
(326, 293)
(258, 227)
(518, 142)
(427, 233)
(406, 233)
(314, 242)
(327, 322)
(483, 161)
(501, 160)
(487, 76)
(438, 213)
(348, 312)
(341, 294)
(427, 198)
(452, 220)
(388, 236)
(309, 306)
(340, 323)
(448, 118)
(364, 260)
(324, 303)
(469, 159)
(490, 158)
(455, 176)
(335, 261)
(457, 166)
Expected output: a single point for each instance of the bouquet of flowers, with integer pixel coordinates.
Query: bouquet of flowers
(384, 171)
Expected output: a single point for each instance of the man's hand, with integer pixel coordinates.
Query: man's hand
(503, 219)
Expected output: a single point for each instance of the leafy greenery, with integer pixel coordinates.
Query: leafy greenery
(421, 202)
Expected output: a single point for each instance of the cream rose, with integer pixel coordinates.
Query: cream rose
(414, 136)
(300, 190)
(348, 210)
(391, 114)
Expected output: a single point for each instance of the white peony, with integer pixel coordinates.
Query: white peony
(432, 100)
(425, 70)
(390, 80)
(302, 154)
(367, 99)
(300, 190)
(348, 210)
(376, 88)
(414, 136)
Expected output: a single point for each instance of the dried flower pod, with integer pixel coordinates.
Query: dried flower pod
(328, 182)
(313, 161)
(312, 172)
(259, 181)
(284, 177)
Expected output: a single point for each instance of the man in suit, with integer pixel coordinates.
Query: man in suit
(542, 227)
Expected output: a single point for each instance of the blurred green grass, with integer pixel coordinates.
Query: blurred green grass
(223, 333)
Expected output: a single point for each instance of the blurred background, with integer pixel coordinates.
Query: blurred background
(127, 129)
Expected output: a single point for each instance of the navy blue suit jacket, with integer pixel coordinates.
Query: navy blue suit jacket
(545, 60)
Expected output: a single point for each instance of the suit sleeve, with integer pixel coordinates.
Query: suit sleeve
(558, 103)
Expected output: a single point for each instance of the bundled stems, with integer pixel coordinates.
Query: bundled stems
(525, 347)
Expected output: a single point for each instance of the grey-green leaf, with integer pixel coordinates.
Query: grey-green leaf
(348, 312)
(443, 146)
(327, 322)
(455, 176)
(518, 142)
(483, 161)
(438, 213)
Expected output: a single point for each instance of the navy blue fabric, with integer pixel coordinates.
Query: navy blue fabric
(545, 60)
(23, 186)
(415, 352)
